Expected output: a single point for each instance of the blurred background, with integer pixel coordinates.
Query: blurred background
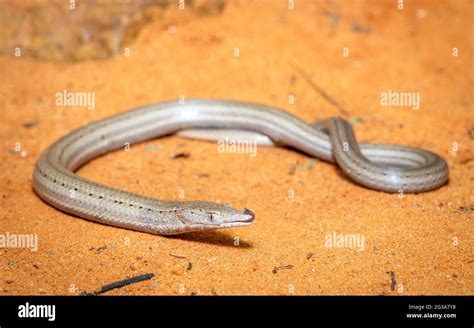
(81, 30)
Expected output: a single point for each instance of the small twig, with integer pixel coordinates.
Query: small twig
(11, 264)
(100, 249)
(180, 154)
(177, 256)
(121, 283)
(282, 267)
(466, 208)
(393, 282)
(318, 89)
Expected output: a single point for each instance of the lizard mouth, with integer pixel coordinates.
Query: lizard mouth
(249, 213)
(244, 219)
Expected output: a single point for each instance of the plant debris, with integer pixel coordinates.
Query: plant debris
(318, 89)
(120, 284)
(466, 208)
(282, 267)
(470, 132)
(355, 121)
(30, 124)
(356, 27)
(333, 17)
(99, 249)
(393, 282)
(180, 154)
(305, 166)
(11, 264)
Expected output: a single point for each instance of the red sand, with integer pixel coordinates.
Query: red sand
(425, 240)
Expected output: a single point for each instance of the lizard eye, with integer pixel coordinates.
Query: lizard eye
(211, 217)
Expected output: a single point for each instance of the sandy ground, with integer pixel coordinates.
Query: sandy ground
(415, 244)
